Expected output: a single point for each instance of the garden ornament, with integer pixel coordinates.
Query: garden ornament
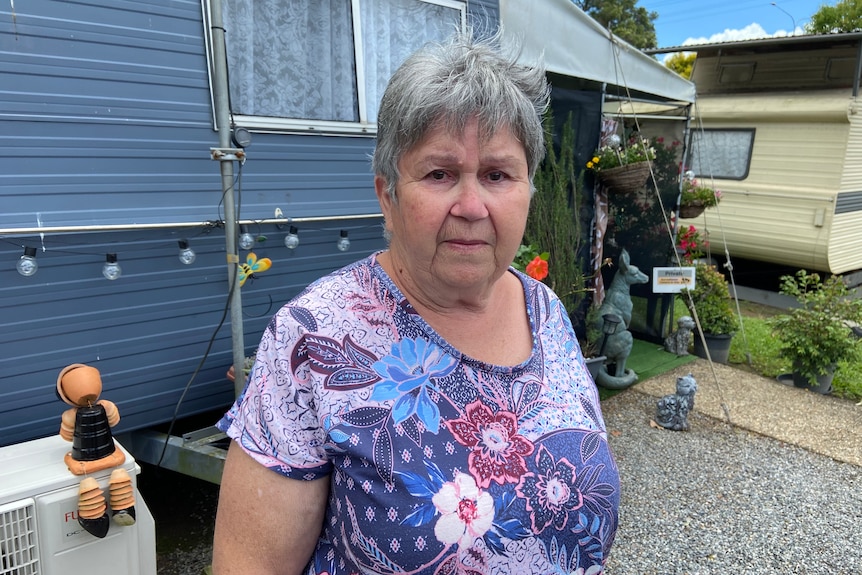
(88, 426)
(672, 410)
(618, 345)
(678, 340)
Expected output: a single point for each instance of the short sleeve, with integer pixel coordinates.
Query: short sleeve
(275, 418)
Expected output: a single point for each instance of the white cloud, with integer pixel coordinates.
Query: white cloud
(750, 32)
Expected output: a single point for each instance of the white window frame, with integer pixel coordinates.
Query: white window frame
(293, 125)
(710, 155)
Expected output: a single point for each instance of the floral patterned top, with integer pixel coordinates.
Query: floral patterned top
(439, 463)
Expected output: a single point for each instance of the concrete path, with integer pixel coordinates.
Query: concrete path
(822, 424)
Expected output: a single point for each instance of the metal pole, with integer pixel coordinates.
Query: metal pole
(222, 114)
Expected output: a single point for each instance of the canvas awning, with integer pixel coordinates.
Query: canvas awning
(573, 44)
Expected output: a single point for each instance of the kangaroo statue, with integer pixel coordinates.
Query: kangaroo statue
(618, 346)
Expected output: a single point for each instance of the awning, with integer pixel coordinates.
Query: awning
(573, 44)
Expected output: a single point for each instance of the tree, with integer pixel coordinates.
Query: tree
(682, 63)
(553, 223)
(631, 23)
(844, 16)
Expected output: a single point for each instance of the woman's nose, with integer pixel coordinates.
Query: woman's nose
(470, 203)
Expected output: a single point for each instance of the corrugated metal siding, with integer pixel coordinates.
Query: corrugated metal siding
(147, 331)
(851, 176)
(106, 114)
(848, 202)
(116, 95)
(845, 242)
(487, 11)
(783, 211)
(778, 71)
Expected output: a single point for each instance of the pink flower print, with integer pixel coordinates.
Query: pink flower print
(498, 450)
(551, 493)
(466, 512)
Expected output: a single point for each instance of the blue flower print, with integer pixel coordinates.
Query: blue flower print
(406, 376)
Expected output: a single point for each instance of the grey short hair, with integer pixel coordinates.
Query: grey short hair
(453, 82)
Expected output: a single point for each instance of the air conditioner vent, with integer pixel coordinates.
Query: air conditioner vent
(19, 546)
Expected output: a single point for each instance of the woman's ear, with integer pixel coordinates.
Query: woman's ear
(381, 188)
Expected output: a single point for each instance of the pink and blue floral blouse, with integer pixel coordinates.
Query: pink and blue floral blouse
(438, 463)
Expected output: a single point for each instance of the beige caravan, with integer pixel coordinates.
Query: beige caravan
(778, 126)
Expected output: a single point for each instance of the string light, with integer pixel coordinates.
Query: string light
(343, 243)
(27, 264)
(291, 240)
(111, 270)
(246, 240)
(187, 254)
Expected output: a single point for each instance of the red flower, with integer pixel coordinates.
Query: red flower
(538, 268)
(497, 450)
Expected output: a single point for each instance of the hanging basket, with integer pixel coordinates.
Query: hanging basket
(689, 211)
(625, 179)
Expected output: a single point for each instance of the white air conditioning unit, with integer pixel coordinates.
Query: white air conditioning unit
(39, 530)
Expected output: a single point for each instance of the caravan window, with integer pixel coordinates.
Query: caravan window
(724, 154)
(322, 65)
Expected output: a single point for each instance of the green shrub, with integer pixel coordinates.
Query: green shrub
(815, 336)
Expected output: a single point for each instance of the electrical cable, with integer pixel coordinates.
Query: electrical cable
(238, 186)
(620, 75)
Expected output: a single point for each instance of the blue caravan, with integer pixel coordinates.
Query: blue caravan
(135, 130)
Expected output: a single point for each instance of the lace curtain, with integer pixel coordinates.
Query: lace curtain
(295, 58)
(721, 153)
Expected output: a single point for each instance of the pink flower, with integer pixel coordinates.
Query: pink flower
(498, 449)
(538, 268)
(466, 511)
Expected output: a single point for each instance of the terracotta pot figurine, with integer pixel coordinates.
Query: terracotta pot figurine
(88, 426)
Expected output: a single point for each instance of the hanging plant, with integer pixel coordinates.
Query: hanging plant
(696, 197)
(623, 168)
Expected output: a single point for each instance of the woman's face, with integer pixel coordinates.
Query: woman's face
(461, 210)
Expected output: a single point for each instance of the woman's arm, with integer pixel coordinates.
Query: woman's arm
(266, 523)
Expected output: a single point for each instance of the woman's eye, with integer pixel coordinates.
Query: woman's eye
(496, 176)
(437, 175)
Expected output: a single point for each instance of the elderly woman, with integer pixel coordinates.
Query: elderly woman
(427, 409)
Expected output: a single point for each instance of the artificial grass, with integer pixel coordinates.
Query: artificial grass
(649, 359)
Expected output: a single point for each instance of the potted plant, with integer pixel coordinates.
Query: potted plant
(816, 335)
(696, 197)
(624, 168)
(709, 302)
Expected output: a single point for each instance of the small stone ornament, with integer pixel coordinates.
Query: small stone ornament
(672, 410)
(677, 342)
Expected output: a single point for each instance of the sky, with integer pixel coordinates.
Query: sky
(697, 21)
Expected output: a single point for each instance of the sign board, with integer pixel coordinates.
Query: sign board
(672, 280)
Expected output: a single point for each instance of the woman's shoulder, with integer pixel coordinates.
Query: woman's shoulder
(541, 299)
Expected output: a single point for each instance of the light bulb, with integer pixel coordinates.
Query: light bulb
(187, 254)
(27, 264)
(246, 240)
(614, 141)
(291, 240)
(343, 243)
(111, 270)
(689, 175)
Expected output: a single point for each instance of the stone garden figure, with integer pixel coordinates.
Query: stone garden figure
(618, 346)
(672, 410)
(678, 340)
